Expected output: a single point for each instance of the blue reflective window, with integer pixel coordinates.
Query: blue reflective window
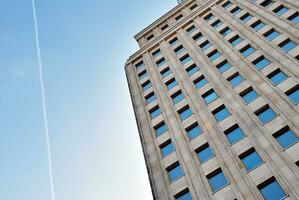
(142, 74)
(217, 180)
(251, 159)
(271, 35)
(267, 3)
(173, 41)
(146, 85)
(247, 51)
(177, 97)
(167, 148)
(201, 81)
(194, 131)
(160, 129)
(156, 53)
(236, 80)
(204, 153)
(287, 45)
(209, 17)
(234, 134)
(210, 96)
(155, 112)
(185, 113)
(214, 55)
(185, 196)
(285, 137)
(258, 25)
(150, 98)
(205, 45)
(222, 67)
(192, 69)
(161, 62)
(249, 95)
(165, 72)
(225, 31)
(170, 84)
(185, 59)
(175, 172)
(294, 18)
(277, 77)
(271, 190)
(197, 37)
(179, 50)
(281, 10)
(226, 4)
(236, 10)
(266, 114)
(293, 94)
(236, 40)
(139, 64)
(246, 18)
(191, 29)
(261, 62)
(217, 23)
(221, 113)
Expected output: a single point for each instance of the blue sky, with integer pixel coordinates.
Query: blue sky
(96, 149)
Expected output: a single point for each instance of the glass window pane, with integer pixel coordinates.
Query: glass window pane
(179, 50)
(156, 53)
(167, 149)
(205, 154)
(261, 63)
(217, 181)
(186, 196)
(221, 114)
(184, 114)
(277, 77)
(247, 51)
(177, 97)
(251, 161)
(171, 84)
(191, 70)
(235, 135)
(286, 138)
(185, 59)
(271, 35)
(210, 96)
(151, 98)
(225, 31)
(294, 96)
(288, 46)
(200, 82)
(246, 18)
(161, 62)
(223, 67)
(266, 115)
(236, 80)
(236, 10)
(281, 10)
(160, 129)
(175, 173)
(236, 41)
(154, 113)
(146, 86)
(257, 26)
(249, 96)
(205, 46)
(214, 55)
(294, 18)
(273, 191)
(194, 132)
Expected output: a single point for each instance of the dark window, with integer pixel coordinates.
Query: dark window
(294, 18)
(221, 113)
(167, 148)
(179, 17)
(280, 10)
(156, 53)
(177, 97)
(245, 18)
(271, 35)
(174, 172)
(150, 37)
(161, 62)
(160, 129)
(277, 76)
(222, 67)
(191, 29)
(204, 153)
(285, 137)
(236, 10)
(171, 83)
(226, 4)
(210, 96)
(251, 159)
(197, 36)
(271, 190)
(192, 69)
(249, 95)
(234, 134)
(146, 85)
(185, 113)
(214, 55)
(293, 94)
(180, 49)
(193, 7)
(235, 40)
(139, 64)
(205, 45)
(193, 131)
(154, 112)
(287, 45)
(247, 50)
(165, 72)
(184, 195)
(201, 81)
(185, 59)
(258, 25)
(142, 74)
(265, 114)
(164, 27)
(267, 3)
(224, 32)
(216, 24)
(261, 62)
(217, 180)
(173, 41)
(235, 79)
(209, 17)
(151, 97)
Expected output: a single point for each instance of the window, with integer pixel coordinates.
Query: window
(249, 95)
(271, 35)
(277, 76)
(265, 114)
(271, 190)
(180, 49)
(179, 17)
(174, 172)
(251, 159)
(139, 64)
(221, 113)
(285, 137)
(205, 45)
(214, 55)
(245, 18)
(165, 72)
(142, 74)
(173, 41)
(191, 29)
(171, 83)
(156, 111)
(287, 45)
(192, 69)
(164, 27)
(226, 4)
(209, 17)
(261, 62)
(225, 31)
(146, 85)
(160, 129)
(217, 180)
(185, 59)
(193, 131)
(156, 53)
(247, 50)
(185, 195)
(280, 10)
(294, 18)
(258, 25)
(217, 23)
(151, 97)
(267, 3)
(197, 36)
(222, 67)
(177, 97)
(161, 62)
(235, 40)
(151, 36)
(234, 134)
(235, 79)
(167, 148)
(236, 10)
(201, 81)
(204, 153)
(193, 7)
(293, 94)
(185, 113)
(210, 96)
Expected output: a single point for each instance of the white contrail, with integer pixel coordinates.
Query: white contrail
(43, 96)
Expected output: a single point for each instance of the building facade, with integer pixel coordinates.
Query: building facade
(214, 88)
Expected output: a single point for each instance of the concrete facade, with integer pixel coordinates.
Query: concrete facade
(194, 44)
